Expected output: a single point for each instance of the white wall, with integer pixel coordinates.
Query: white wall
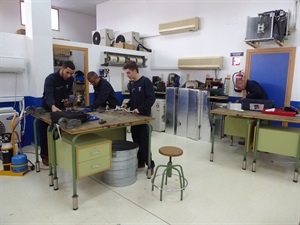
(73, 26)
(96, 58)
(13, 84)
(222, 31)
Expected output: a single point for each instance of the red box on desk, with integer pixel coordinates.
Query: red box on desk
(279, 112)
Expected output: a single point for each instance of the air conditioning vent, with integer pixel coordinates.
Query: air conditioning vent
(12, 64)
(103, 37)
(203, 63)
(180, 26)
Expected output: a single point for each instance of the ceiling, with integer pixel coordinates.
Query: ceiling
(87, 7)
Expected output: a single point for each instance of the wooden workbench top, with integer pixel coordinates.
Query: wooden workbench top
(113, 119)
(255, 115)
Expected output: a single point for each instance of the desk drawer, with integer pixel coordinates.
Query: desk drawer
(278, 140)
(94, 166)
(94, 151)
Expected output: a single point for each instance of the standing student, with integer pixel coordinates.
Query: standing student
(141, 99)
(104, 92)
(57, 89)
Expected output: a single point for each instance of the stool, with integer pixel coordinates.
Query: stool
(170, 151)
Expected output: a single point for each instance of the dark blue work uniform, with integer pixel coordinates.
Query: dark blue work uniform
(142, 97)
(255, 90)
(104, 92)
(56, 89)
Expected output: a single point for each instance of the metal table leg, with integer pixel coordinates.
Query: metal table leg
(213, 138)
(149, 152)
(37, 162)
(255, 145)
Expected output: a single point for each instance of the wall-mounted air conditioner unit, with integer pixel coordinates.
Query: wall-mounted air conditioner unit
(103, 37)
(180, 26)
(12, 64)
(203, 63)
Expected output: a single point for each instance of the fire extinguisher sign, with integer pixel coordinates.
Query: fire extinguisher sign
(236, 58)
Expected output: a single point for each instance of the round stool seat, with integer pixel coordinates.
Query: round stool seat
(170, 151)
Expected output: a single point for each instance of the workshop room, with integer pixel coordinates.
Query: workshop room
(160, 112)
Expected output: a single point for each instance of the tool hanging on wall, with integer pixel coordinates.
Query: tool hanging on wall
(235, 77)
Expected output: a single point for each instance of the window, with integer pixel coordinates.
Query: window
(54, 17)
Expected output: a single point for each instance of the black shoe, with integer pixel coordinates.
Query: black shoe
(241, 142)
(141, 165)
(45, 161)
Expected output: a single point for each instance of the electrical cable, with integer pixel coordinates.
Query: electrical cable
(140, 45)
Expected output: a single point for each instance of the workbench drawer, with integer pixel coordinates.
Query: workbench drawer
(94, 166)
(278, 140)
(93, 151)
(236, 126)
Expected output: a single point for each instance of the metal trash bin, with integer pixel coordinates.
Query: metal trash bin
(124, 164)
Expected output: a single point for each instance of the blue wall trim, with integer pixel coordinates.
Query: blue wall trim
(28, 136)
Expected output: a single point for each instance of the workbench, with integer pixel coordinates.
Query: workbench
(267, 138)
(113, 129)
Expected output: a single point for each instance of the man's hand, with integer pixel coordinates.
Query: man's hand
(55, 109)
(66, 102)
(136, 111)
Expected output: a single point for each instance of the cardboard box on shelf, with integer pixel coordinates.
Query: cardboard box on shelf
(21, 31)
(124, 45)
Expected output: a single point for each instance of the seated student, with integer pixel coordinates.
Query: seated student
(104, 92)
(253, 88)
(254, 91)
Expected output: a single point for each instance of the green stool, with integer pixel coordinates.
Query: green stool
(170, 151)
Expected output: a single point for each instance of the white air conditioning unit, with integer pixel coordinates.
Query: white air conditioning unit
(12, 64)
(203, 63)
(180, 26)
(132, 38)
(103, 37)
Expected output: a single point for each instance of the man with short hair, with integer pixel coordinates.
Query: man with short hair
(254, 89)
(104, 92)
(57, 88)
(142, 97)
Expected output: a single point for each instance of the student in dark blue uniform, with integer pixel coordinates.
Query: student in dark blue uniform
(57, 88)
(104, 92)
(254, 89)
(142, 97)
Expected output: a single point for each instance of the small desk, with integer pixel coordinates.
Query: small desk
(258, 116)
(114, 128)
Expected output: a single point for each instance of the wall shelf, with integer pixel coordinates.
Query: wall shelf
(118, 59)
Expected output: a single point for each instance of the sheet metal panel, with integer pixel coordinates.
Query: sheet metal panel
(171, 109)
(194, 113)
(205, 129)
(182, 112)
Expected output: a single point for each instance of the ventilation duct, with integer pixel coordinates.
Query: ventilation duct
(203, 63)
(180, 26)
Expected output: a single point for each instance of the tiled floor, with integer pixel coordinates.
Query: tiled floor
(218, 192)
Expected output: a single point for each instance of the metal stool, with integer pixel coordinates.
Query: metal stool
(170, 151)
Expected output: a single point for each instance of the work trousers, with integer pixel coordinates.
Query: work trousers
(43, 139)
(140, 135)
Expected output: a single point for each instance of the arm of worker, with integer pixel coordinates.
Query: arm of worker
(101, 97)
(149, 96)
(254, 92)
(49, 94)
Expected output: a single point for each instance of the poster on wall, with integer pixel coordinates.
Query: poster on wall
(236, 58)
